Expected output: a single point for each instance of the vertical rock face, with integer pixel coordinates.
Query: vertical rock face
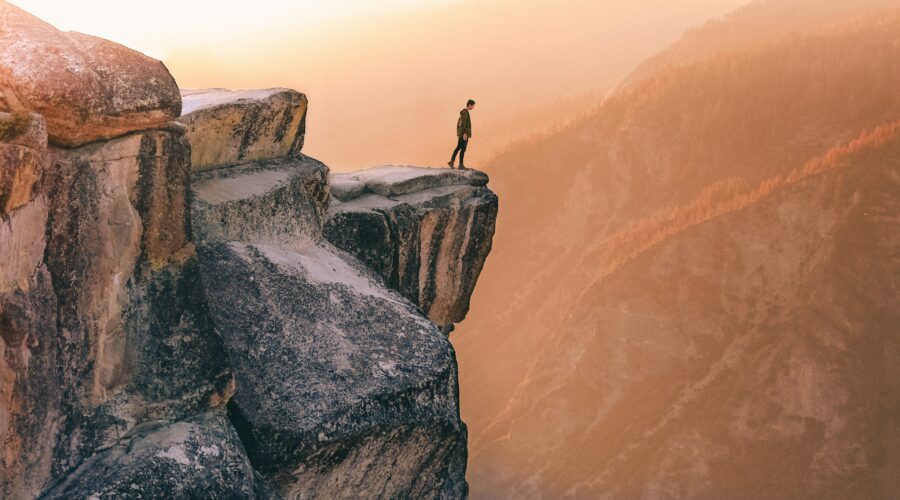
(427, 232)
(85, 87)
(100, 296)
(175, 334)
(228, 128)
(23, 153)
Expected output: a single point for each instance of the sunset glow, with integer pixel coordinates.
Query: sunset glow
(456, 249)
(156, 28)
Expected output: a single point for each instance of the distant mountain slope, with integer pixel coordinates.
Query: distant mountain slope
(685, 156)
(758, 22)
(751, 354)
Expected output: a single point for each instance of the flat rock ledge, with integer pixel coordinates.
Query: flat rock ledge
(426, 231)
(393, 180)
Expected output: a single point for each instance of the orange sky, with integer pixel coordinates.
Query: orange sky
(386, 79)
(169, 24)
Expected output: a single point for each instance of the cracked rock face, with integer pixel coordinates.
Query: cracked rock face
(102, 296)
(86, 88)
(200, 457)
(427, 232)
(273, 202)
(228, 127)
(343, 387)
(332, 371)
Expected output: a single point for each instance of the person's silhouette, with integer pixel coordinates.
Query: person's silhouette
(463, 134)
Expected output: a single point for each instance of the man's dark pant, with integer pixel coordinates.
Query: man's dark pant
(461, 149)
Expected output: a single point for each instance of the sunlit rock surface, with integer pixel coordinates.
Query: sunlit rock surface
(275, 201)
(427, 232)
(86, 88)
(227, 127)
(100, 294)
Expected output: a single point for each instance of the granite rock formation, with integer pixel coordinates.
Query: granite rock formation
(170, 331)
(228, 127)
(414, 226)
(86, 88)
(200, 457)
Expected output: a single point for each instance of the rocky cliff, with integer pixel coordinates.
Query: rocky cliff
(187, 311)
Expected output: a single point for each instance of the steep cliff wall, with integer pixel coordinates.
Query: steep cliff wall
(174, 321)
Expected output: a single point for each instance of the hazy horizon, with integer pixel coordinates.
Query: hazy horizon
(386, 81)
(686, 247)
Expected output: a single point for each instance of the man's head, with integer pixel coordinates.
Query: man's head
(470, 104)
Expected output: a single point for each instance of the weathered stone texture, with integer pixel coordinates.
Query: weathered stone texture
(428, 236)
(23, 160)
(343, 388)
(200, 457)
(275, 202)
(86, 88)
(102, 295)
(229, 128)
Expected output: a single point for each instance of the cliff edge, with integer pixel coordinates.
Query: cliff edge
(191, 307)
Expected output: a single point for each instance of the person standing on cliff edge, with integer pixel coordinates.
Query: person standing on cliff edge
(463, 134)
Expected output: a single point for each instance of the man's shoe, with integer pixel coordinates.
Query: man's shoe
(450, 163)
(462, 167)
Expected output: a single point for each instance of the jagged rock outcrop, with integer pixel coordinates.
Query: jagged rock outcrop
(85, 87)
(343, 389)
(414, 226)
(228, 127)
(333, 369)
(174, 333)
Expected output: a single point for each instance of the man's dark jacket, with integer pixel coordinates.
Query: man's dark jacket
(464, 125)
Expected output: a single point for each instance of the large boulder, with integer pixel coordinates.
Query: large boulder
(201, 457)
(427, 232)
(86, 88)
(228, 127)
(343, 389)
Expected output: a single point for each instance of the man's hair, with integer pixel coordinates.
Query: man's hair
(470, 103)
